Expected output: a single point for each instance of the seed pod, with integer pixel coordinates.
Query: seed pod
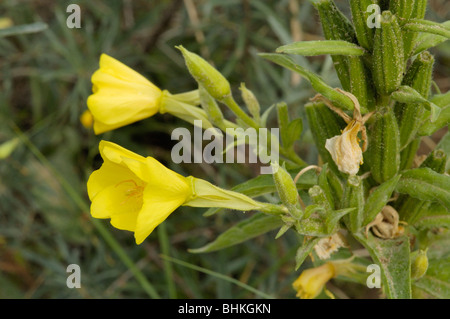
(324, 124)
(383, 153)
(388, 55)
(336, 26)
(354, 197)
(364, 34)
(419, 8)
(331, 185)
(436, 160)
(402, 9)
(361, 82)
(410, 115)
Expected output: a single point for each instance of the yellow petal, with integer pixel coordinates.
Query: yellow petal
(116, 68)
(120, 96)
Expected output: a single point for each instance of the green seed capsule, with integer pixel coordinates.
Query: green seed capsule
(354, 198)
(336, 26)
(419, 8)
(383, 153)
(324, 124)
(410, 115)
(402, 9)
(388, 62)
(360, 82)
(364, 34)
(436, 160)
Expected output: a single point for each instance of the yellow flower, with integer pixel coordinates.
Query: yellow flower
(137, 193)
(311, 281)
(345, 149)
(121, 96)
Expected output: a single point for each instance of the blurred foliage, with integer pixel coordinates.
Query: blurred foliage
(44, 84)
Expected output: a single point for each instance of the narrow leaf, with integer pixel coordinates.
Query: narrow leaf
(317, 83)
(247, 229)
(23, 29)
(304, 250)
(427, 26)
(379, 198)
(311, 48)
(425, 184)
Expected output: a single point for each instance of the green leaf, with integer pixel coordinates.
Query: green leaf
(332, 220)
(379, 198)
(247, 229)
(304, 250)
(427, 26)
(433, 221)
(392, 255)
(425, 184)
(316, 81)
(406, 94)
(311, 48)
(428, 40)
(294, 130)
(23, 29)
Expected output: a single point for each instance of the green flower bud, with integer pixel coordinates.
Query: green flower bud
(211, 108)
(251, 102)
(419, 264)
(287, 190)
(206, 75)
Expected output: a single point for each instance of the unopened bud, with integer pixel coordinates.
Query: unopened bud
(419, 264)
(287, 190)
(206, 75)
(251, 101)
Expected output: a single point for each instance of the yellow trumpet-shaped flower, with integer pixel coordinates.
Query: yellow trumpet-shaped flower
(121, 96)
(345, 149)
(136, 193)
(311, 281)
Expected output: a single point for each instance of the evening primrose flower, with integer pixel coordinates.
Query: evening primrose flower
(121, 96)
(138, 193)
(312, 281)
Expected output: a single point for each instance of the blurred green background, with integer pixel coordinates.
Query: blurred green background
(45, 224)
